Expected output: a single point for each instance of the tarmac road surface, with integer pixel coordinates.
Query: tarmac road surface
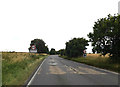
(58, 71)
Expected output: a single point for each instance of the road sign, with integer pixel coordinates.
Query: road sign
(33, 49)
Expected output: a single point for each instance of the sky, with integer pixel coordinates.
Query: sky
(54, 21)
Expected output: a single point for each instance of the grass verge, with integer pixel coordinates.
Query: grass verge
(17, 67)
(97, 61)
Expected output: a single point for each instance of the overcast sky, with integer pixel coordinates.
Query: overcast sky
(54, 21)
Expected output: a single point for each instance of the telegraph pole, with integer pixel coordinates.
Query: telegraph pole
(119, 7)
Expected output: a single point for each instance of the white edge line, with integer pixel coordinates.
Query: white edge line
(35, 73)
(105, 70)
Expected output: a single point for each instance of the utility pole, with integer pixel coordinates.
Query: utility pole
(119, 7)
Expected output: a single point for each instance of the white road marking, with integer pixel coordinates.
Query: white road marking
(83, 70)
(35, 73)
(89, 70)
(108, 71)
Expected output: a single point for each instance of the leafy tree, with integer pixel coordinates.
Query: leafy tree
(62, 52)
(40, 45)
(75, 47)
(52, 51)
(46, 49)
(106, 36)
(58, 52)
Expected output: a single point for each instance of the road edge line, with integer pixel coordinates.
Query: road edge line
(35, 73)
(98, 68)
(105, 70)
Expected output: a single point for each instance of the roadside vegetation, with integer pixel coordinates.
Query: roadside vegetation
(105, 40)
(17, 66)
(105, 37)
(97, 60)
(52, 51)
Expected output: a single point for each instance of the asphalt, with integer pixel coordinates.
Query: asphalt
(59, 71)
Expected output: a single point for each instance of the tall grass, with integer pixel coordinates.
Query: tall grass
(17, 67)
(97, 61)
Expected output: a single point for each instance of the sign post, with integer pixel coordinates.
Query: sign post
(84, 53)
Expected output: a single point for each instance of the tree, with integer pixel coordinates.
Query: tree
(106, 36)
(75, 47)
(58, 52)
(61, 52)
(52, 51)
(46, 49)
(40, 45)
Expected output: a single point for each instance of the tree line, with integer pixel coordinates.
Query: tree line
(105, 39)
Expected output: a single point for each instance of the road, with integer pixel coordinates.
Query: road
(59, 71)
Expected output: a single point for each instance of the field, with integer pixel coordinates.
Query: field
(97, 61)
(18, 66)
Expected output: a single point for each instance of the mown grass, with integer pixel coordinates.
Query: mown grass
(17, 67)
(97, 61)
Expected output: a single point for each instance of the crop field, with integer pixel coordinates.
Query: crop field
(18, 66)
(97, 55)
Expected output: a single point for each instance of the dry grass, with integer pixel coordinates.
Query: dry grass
(18, 56)
(14, 57)
(98, 55)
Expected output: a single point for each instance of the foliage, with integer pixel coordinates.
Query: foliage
(106, 36)
(75, 47)
(58, 52)
(40, 45)
(52, 51)
(61, 52)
